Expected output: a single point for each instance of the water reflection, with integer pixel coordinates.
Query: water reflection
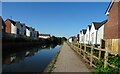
(21, 60)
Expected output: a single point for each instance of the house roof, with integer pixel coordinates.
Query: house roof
(44, 34)
(27, 27)
(80, 31)
(110, 5)
(97, 25)
(84, 31)
(89, 27)
(22, 24)
(11, 21)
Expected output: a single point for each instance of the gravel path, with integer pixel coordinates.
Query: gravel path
(69, 61)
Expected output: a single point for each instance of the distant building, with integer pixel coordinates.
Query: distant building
(87, 35)
(23, 31)
(19, 28)
(74, 39)
(44, 36)
(10, 26)
(36, 34)
(82, 35)
(32, 32)
(70, 39)
(27, 31)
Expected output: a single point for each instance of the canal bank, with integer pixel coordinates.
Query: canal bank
(10, 41)
(51, 66)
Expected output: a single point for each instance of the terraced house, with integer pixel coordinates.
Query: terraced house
(87, 35)
(19, 29)
(82, 35)
(10, 26)
(97, 32)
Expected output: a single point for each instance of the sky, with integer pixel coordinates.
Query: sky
(56, 18)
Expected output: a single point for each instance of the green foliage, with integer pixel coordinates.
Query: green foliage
(96, 52)
(100, 65)
(88, 49)
(115, 60)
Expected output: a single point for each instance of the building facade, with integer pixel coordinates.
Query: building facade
(87, 35)
(10, 26)
(112, 27)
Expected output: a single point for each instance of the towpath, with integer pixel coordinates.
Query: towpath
(69, 61)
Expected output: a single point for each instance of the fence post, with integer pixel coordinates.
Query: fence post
(80, 48)
(73, 45)
(99, 55)
(105, 57)
(84, 50)
(91, 55)
(79, 45)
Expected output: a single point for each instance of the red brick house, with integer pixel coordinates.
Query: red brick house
(10, 26)
(112, 27)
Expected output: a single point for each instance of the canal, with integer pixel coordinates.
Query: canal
(32, 59)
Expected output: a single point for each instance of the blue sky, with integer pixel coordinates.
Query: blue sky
(56, 18)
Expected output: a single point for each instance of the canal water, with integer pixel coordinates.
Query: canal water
(25, 60)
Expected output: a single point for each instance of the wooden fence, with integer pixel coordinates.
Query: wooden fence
(113, 45)
(89, 54)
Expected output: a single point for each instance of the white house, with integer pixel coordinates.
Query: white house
(36, 34)
(82, 36)
(23, 31)
(97, 27)
(19, 28)
(70, 40)
(87, 35)
(100, 32)
(32, 32)
(27, 31)
(44, 36)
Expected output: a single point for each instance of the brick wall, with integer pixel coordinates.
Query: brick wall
(111, 27)
(8, 26)
(119, 21)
